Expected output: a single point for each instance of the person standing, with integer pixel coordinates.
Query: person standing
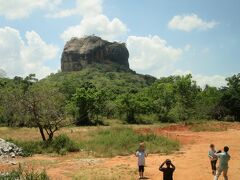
(213, 158)
(141, 154)
(167, 171)
(223, 157)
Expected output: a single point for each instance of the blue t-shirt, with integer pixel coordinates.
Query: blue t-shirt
(224, 157)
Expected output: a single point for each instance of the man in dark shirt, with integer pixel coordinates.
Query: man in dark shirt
(167, 171)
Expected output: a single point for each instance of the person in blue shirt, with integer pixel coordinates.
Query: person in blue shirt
(223, 157)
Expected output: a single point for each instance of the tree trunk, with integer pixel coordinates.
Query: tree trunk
(42, 133)
(131, 117)
(50, 136)
(83, 119)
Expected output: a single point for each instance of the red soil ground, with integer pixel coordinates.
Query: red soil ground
(191, 161)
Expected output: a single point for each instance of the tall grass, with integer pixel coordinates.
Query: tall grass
(105, 142)
(204, 125)
(124, 141)
(61, 145)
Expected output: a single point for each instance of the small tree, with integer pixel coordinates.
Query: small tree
(86, 104)
(162, 96)
(207, 103)
(44, 106)
(186, 97)
(132, 104)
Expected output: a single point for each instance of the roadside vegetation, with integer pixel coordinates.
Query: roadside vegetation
(101, 142)
(60, 145)
(24, 174)
(125, 141)
(212, 126)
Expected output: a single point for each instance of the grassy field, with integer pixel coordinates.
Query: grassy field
(105, 141)
(213, 126)
(99, 141)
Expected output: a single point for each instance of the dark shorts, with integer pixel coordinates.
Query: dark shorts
(140, 168)
(213, 165)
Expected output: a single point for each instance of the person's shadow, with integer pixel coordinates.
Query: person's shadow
(144, 178)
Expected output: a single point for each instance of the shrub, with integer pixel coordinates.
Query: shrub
(29, 147)
(61, 145)
(63, 142)
(24, 174)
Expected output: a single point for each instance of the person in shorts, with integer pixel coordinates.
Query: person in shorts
(223, 157)
(168, 170)
(141, 154)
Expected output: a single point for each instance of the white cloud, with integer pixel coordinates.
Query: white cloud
(16, 9)
(190, 22)
(99, 25)
(20, 58)
(215, 80)
(151, 55)
(203, 80)
(83, 7)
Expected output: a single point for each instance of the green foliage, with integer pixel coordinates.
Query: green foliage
(24, 174)
(231, 97)
(61, 145)
(187, 92)
(104, 91)
(27, 102)
(87, 104)
(207, 101)
(125, 141)
(163, 98)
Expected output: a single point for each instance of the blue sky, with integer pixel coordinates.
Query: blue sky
(164, 37)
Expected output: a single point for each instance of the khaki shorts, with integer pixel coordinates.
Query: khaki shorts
(220, 170)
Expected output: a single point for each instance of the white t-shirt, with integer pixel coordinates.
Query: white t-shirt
(212, 155)
(141, 158)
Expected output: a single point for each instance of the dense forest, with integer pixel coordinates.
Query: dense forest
(99, 92)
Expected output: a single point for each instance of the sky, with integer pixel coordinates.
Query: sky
(164, 37)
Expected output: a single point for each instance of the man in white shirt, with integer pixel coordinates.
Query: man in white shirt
(224, 157)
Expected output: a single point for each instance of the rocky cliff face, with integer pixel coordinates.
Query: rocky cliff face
(79, 52)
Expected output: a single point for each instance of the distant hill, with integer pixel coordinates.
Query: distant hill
(103, 76)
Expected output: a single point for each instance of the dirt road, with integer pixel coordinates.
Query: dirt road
(191, 161)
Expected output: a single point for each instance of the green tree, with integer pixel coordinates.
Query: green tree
(186, 95)
(132, 104)
(86, 104)
(231, 97)
(162, 96)
(207, 102)
(10, 102)
(27, 102)
(44, 106)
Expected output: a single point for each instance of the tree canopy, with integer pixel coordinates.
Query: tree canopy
(88, 96)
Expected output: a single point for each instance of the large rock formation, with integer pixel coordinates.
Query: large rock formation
(79, 52)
